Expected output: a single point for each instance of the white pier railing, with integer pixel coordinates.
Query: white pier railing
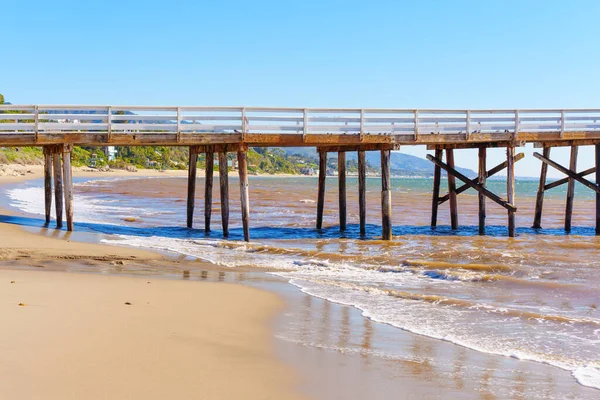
(124, 119)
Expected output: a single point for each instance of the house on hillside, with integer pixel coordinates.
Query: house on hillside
(110, 151)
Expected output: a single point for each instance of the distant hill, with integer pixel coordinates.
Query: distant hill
(400, 164)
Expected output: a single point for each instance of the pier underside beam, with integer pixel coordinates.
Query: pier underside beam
(191, 192)
(243, 172)
(48, 182)
(321, 190)
(208, 188)
(359, 147)
(224, 187)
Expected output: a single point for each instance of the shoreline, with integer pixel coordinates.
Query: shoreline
(176, 338)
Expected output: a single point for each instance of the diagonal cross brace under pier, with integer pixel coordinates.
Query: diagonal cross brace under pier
(494, 197)
(573, 175)
(565, 180)
(489, 173)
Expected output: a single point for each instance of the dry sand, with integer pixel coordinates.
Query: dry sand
(74, 337)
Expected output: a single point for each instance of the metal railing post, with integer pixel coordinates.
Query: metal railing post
(178, 124)
(304, 125)
(36, 119)
(562, 123)
(244, 124)
(468, 127)
(362, 125)
(516, 124)
(416, 125)
(109, 124)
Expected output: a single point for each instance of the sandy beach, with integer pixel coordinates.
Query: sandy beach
(76, 335)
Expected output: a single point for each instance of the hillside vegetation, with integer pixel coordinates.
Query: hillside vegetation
(260, 160)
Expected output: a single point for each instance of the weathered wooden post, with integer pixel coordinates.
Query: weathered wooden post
(437, 177)
(539, 200)
(597, 184)
(243, 171)
(452, 190)
(58, 186)
(362, 191)
(208, 187)
(571, 189)
(482, 178)
(321, 190)
(191, 193)
(68, 184)
(386, 196)
(48, 182)
(510, 188)
(224, 186)
(342, 188)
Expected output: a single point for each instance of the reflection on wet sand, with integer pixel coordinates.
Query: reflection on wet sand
(379, 358)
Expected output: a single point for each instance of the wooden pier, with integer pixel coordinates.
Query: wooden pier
(224, 130)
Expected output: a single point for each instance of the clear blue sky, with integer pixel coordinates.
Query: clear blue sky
(414, 54)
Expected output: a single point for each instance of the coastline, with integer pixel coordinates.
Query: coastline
(176, 339)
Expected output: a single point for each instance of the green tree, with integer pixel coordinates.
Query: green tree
(1, 99)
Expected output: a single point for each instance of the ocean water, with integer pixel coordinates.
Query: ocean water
(534, 297)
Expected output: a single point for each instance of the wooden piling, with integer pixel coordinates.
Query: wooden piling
(452, 190)
(342, 188)
(539, 201)
(571, 189)
(386, 197)
(208, 188)
(243, 171)
(510, 188)
(224, 186)
(58, 188)
(437, 177)
(362, 191)
(597, 147)
(321, 193)
(191, 194)
(68, 186)
(482, 178)
(47, 182)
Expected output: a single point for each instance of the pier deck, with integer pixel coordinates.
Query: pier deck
(233, 129)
